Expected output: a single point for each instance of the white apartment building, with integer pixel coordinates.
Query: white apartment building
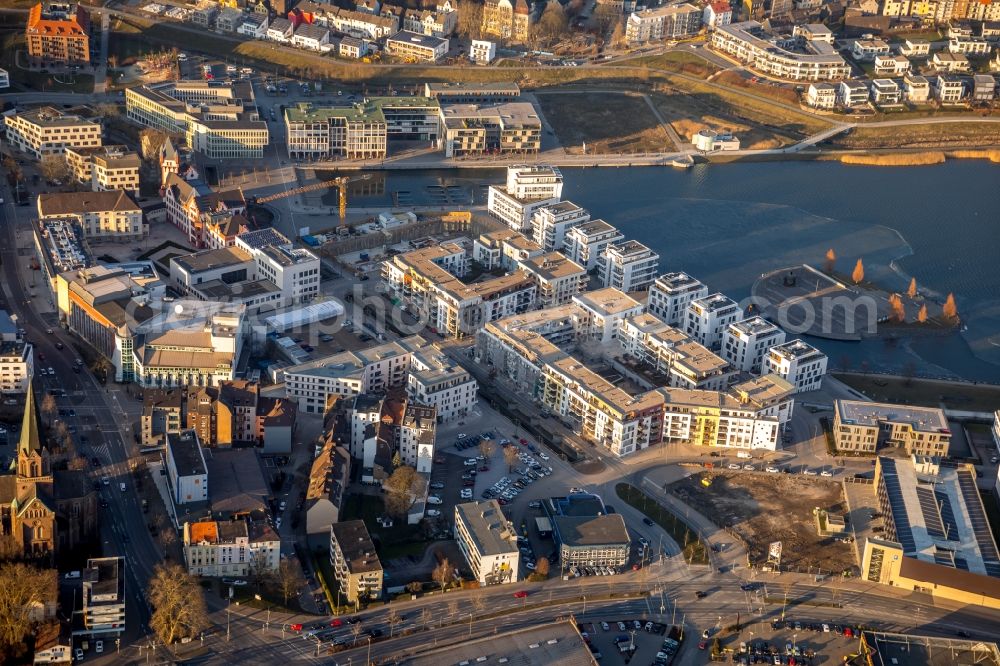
(482, 52)
(103, 216)
(16, 358)
(186, 470)
(527, 189)
(629, 266)
(417, 47)
(602, 312)
(821, 96)
(436, 380)
(488, 541)
(800, 364)
(745, 343)
(674, 21)
(749, 43)
(230, 548)
(550, 224)
(504, 249)
(974, 46)
(47, 131)
(557, 278)
(450, 306)
(105, 168)
(724, 420)
(915, 49)
(371, 370)
(672, 357)
(671, 294)
(708, 317)
(585, 243)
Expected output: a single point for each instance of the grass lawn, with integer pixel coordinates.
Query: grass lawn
(676, 61)
(393, 542)
(925, 392)
(695, 550)
(921, 136)
(607, 123)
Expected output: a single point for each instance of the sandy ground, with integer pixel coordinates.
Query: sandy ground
(763, 508)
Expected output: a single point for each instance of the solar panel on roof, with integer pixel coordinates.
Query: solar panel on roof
(977, 519)
(904, 534)
(947, 516)
(929, 509)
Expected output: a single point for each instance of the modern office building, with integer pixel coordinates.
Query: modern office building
(600, 540)
(356, 566)
(219, 120)
(801, 364)
(46, 131)
(503, 128)
(866, 427)
(488, 541)
(472, 93)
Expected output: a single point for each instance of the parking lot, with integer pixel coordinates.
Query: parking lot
(790, 642)
(623, 640)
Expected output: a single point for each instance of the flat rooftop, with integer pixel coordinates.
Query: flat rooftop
(885, 649)
(210, 260)
(508, 115)
(357, 547)
(577, 531)
(607, 301)
(185, 449)
(921, 419)
(488, 527)
(553, 266)
(796, 349)
(755, 326)
(555, 644)
(714, 303)
(678, 282)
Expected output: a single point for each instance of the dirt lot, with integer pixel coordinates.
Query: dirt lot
(758, 124)
(607, 122)
(763, 508)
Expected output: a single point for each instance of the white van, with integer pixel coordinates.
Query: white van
(743, 454)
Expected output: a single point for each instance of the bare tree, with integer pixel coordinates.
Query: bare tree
(393, 620)
(542, 567)
(290, 579)
(618, 34)
(179, 606)
(510, 456)
(470, 19)
(259, 569)
(487, 448)
(356, 631)
(49, 407)
(553, 24)
(478, 603)
(22, 589)
(54, 169)
(150, 141)
(443, 574)
(401, 490)
(426, 617)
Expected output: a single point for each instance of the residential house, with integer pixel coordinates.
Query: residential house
(970, 46)
(186, 471)
(852, 93)
(312, 37)
(983, 88)
(482, 51)
(328, 480)
(355, 564)
(717, 12)
(949, 89)
(916, 89)
(886, 92)
(280, 30)
(913, 49)
(891, 65)
(945, 61)
(416, 47)
(254, 26)
(866, 50)
(822, 96)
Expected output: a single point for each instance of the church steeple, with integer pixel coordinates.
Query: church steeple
(32, 457)
(30, 439)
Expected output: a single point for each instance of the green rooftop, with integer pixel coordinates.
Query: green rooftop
(368, 111)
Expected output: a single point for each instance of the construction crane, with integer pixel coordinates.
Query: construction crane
(340, 183)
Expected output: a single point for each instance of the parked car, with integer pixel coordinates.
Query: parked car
(648, 522)
(433, 513)
(520, 594)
